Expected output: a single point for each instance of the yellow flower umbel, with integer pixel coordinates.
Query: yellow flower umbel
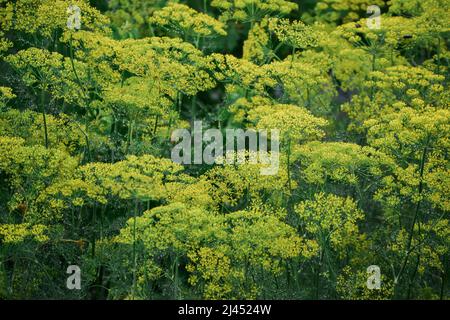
(6, 94)
(294, 34)
(187, 23)
(393, 89)
(331, 221)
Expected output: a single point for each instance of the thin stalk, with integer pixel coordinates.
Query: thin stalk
(416, 214)
(289, 164)
(176, 294)
(94, 218)
(86, 135)
(130, 136)
(374, 59)
(292, 56)
(438, 56)
(197, 42)
(317, 275)
(134, 248)
(443, 278)
(156, 125)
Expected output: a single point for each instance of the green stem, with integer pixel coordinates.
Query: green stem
(374, 59)
(130, 136)
(93, 233)
(156, 125)
(73, 66)
(289, 164)
(197, 41)
(438, 56)
(416, 214)
(293, 55)
(86, 135)
(176, 278)
(193, 108)
(134, 248)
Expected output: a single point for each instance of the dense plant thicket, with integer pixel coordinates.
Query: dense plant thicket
(86, 176)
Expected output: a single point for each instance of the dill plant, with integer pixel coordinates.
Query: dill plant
(86, 178)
